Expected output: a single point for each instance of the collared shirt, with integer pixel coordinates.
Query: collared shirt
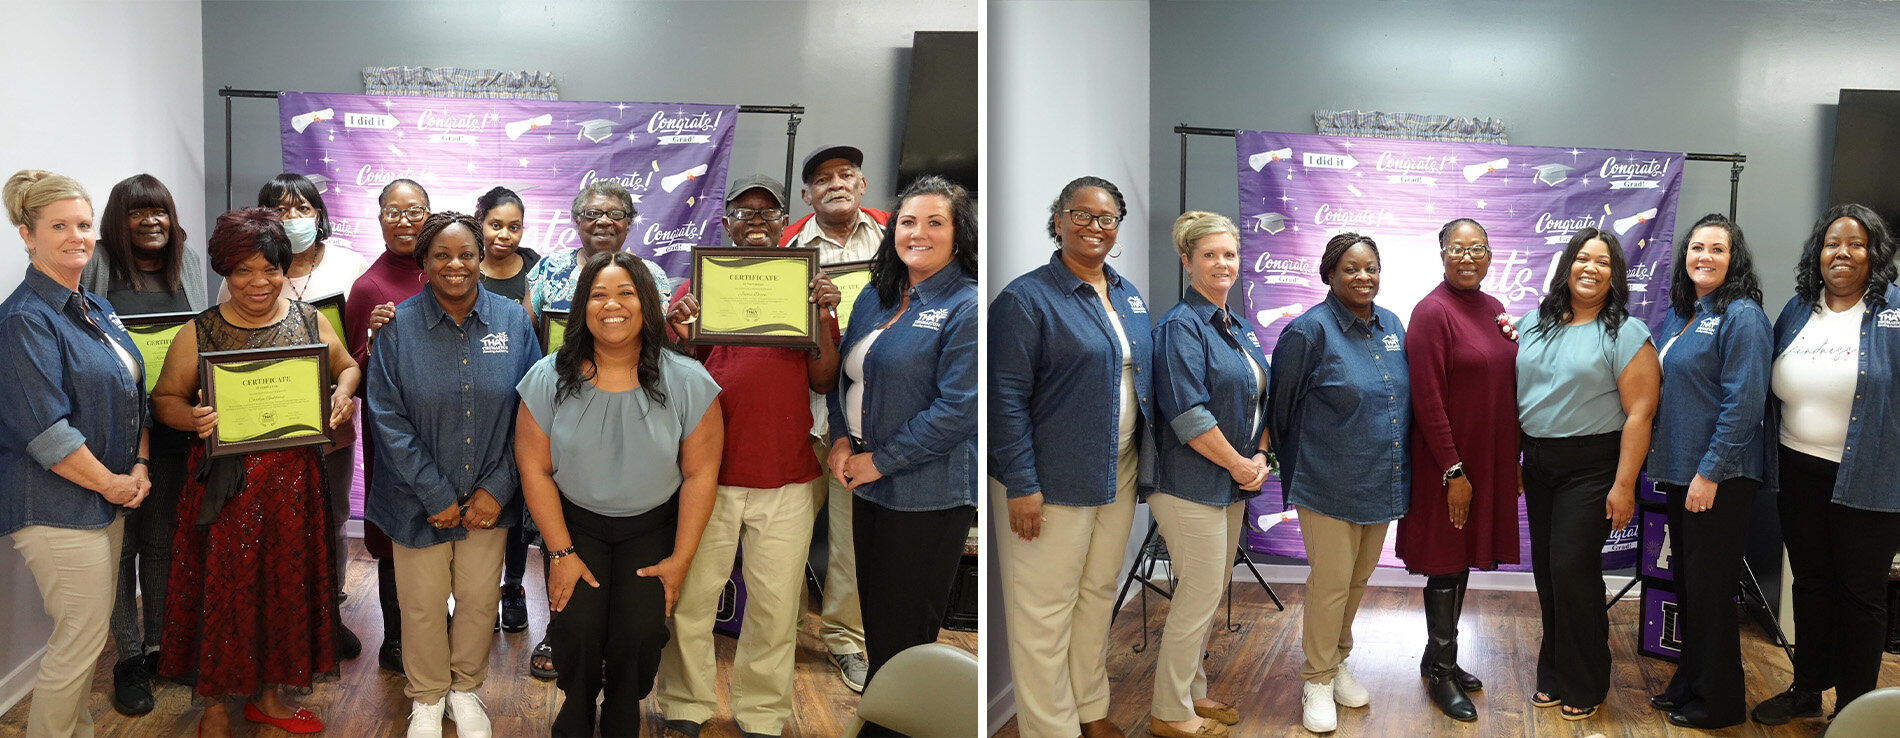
(1342, 406)
(66, 387)
(1870, 460)
(919, 394)
(860, 245)
(551, 282)
(1203, 380)
(442, 399)
(1714, 394)
(1055, 375)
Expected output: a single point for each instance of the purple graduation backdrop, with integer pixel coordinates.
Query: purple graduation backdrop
(1298, 190)
(670, 156)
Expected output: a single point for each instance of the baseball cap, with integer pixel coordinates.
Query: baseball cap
(826, 153)
(738, 187)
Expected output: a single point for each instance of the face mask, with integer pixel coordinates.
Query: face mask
(302, 233)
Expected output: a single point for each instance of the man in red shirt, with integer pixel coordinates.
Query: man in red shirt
(764, 501)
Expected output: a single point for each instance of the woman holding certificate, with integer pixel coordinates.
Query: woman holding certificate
(903, 417)
(252, 601)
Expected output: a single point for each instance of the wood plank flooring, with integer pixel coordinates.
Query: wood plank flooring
(366, 701)
(1256, 668)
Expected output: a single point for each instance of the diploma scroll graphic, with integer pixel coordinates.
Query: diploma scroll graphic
(1474, 171)
(515, 129)
(672, 182)
(1260, 160)
(1623, 225)
(300, 122)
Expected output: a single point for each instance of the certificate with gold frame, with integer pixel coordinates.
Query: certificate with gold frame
(267, 399)
(755, 296)
(852, 278)
(153, 333)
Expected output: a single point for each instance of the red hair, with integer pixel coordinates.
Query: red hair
(246, 232)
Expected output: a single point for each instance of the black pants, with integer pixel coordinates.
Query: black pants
(1705, 552)
(1566, 482)
(145, 555)
(622, 622)
(907, 562)
(1839, 556)
(514, 559)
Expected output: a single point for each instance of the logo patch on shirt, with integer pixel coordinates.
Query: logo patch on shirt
(495, 343)
(1889, 318)
(116, 322)
(1708, 325)
(1255, 339)
(1135, 305)
(1392, 342)
(931, 319)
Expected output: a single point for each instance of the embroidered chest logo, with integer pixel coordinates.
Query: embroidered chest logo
(1708, 325)
(1392, 342)
(121, 325)
(1135, 304)
(495, 343)
(1255, 339)
(931, 319)
(1889, 318)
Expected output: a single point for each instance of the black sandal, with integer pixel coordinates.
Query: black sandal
(543, 654)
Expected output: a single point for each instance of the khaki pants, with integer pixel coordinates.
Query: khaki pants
(1058, 596)
(1340, 557)
(439, 655)
(76, 571)
(1201, 542)
(842, 621)
(774, 528)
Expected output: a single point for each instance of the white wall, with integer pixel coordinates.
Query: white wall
(97, 91)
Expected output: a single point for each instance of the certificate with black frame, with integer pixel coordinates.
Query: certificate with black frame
(755, 296)
(553, 330)
(268, 398)
(851, 279)
(153, 333)
(331, 307)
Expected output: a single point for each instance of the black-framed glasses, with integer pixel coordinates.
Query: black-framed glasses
(1475, 251)
(415, 214)
(745, 214)
(1081, 219)
(615, 214)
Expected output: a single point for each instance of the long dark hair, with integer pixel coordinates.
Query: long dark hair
(574, 362)
(1554, 310)
(1880, 252)
(1741, 280)
(291, 183)
(888, 273)
(132, 193)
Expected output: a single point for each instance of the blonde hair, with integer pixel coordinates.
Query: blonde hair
(1195, 225)
(30, 190)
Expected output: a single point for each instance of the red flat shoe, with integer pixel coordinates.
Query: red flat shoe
(300, 721)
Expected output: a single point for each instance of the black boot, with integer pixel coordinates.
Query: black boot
(132, 686)
(1441, 666)
(390, 655)
(1466, 680)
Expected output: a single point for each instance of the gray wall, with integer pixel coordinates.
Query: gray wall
(1757, 77)
(846, 61)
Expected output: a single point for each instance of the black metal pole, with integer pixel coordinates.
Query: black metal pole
(227, 148)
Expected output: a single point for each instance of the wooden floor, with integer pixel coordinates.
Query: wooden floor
(366, 701)
(1257, 669)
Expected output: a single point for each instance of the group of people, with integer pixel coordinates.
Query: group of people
(638, 458)
(1441, 425)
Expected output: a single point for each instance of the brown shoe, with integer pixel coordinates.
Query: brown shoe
(1101, 729)
(1223, 712)
(1210, 728)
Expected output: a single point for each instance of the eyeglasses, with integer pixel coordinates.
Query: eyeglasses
(615, 214)
(418, 214)
(745, 214)
(1081, 219)
(1477, 251)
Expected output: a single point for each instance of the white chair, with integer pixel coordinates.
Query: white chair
(1871, 715)
(926, 691)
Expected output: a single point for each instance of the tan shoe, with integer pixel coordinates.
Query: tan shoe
(1223, 712)
(1210, 728)
(1101, 729)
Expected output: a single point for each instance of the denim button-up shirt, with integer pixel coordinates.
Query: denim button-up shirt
(1203, 381)
(1055, 373)
(919, 395)
(1342, 406)
(1870, 461)
(442, 399)
(1714, 395)
(65, 388)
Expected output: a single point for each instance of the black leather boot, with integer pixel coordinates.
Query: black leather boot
(1467, 681)
(390, 655)
(1441, 666)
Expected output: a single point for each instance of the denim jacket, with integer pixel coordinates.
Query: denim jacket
(65, 388)
(427, 378)
(1868, 473)
(1055, 369)
(1714, 395)
(919, 395)
(1342, 406)
(1203, 381)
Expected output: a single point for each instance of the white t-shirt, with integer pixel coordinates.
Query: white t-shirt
(1125, 427)
(854, 396)
(1815, 379)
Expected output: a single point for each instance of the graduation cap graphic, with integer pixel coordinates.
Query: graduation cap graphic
(1551, 174)
(1272, 223)
(322, 182)
(597, 129)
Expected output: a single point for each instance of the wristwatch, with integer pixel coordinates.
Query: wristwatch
(1456, 471)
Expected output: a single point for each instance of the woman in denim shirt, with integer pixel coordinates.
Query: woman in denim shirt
(1070, 412)
(1342, 406)
(1836, 417)
(74, 440)
(1210, 384)
(1706, 456)
(903, 417)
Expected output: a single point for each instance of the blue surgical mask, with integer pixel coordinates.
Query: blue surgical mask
(302, 233)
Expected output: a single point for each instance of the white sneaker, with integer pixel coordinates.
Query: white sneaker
(469, 714)
(1319, 715)
(1348, 691)
(425, 721)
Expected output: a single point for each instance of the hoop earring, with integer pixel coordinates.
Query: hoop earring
(1117, 253)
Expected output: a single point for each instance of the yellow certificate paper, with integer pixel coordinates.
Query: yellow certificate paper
(755, 296)
(267, 398)
(851, 279)
(154, 333)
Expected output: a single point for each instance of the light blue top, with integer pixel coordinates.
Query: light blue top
(615, 453)
(1566, 379)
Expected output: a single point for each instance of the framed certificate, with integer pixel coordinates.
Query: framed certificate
(755, 296)
(851, 277)
(331, 308)
(154, 333)
(267, 399)
(553, 330)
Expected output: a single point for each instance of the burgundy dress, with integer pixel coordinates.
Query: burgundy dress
(251, 601)
(1464, 409)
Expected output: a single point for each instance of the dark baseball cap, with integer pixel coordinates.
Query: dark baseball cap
(756, 181)
(826, 153)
